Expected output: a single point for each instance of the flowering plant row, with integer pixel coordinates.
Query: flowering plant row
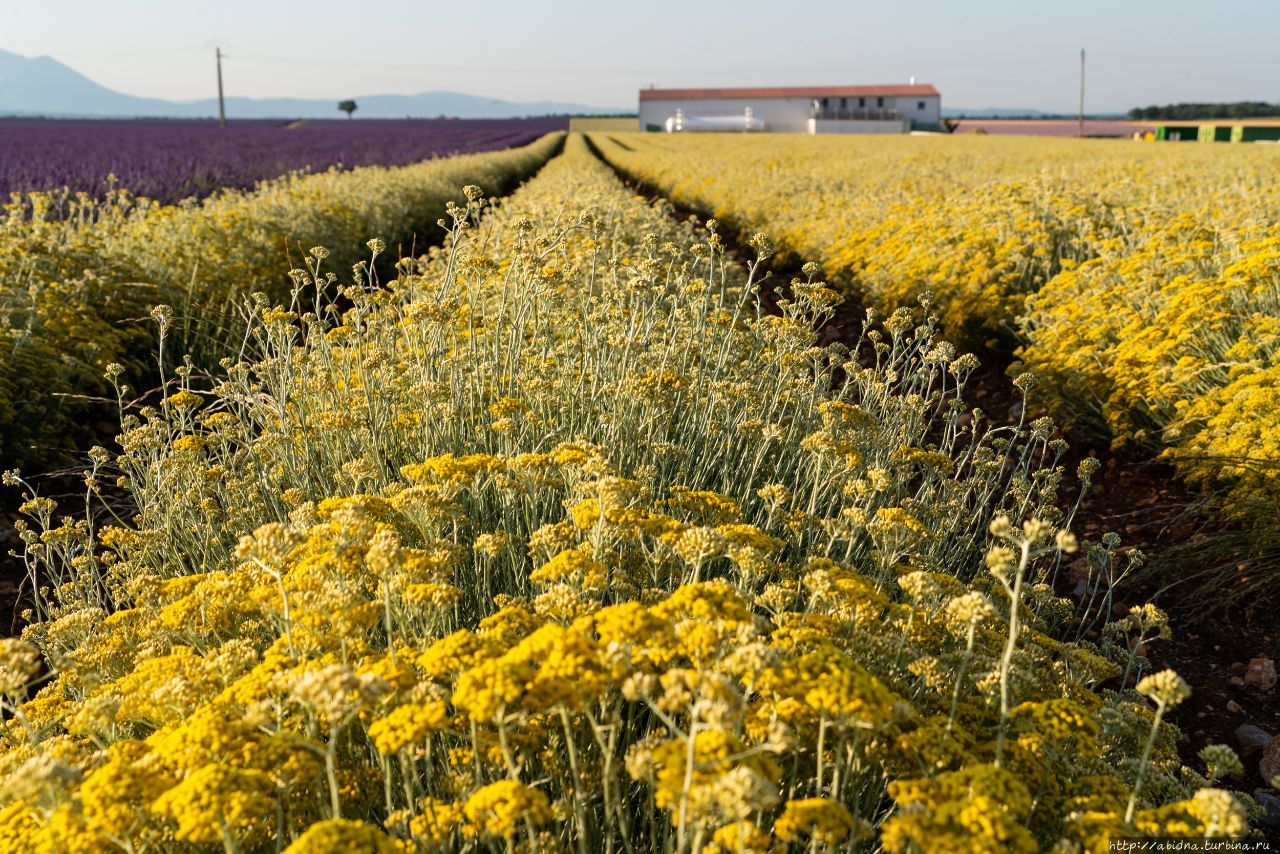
(1143, 282)
(78, 276)
(559, 542)
(1171, 338)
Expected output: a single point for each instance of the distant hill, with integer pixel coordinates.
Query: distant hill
(43, 86)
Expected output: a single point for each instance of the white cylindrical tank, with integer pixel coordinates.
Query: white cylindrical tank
(681, 123)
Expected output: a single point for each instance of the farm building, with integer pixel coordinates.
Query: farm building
(793, 109)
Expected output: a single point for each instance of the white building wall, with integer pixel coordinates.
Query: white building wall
(856, 126)
(786, 115)
(909, 107)
(780, 115)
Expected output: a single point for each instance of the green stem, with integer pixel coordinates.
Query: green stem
(1006, 660)
(1142, 765)
(964, 669)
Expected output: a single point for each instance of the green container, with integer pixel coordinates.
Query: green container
(1215, 133)
(1176, 133)
(1181, 133)
(1254, 133)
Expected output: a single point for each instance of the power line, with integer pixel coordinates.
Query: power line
(597, 70)
(399, 67)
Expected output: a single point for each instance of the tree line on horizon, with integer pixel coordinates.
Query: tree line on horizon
(1186, 111)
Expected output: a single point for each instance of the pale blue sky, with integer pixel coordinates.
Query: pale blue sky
(981, 53)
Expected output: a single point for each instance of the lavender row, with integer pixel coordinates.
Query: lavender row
(171, 160)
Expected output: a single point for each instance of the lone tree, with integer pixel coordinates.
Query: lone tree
(347, 107)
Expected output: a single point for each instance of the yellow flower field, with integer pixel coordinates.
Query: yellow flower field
(1143, 282)
(559, 541)
(1170, 338)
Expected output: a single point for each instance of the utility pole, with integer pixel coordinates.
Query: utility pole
(1080, 108)
(222, 110)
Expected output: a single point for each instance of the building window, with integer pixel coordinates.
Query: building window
(862, 102)
(824, 103)
(844, 102)
(920, 105)
(879, 102)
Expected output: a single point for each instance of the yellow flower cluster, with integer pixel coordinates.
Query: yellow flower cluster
(316, 682)
(1143, 282)
(1171, 338)
(538, 554)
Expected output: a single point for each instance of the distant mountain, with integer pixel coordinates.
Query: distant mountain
(45, 87)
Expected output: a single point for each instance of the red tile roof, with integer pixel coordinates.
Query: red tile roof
(787, 92)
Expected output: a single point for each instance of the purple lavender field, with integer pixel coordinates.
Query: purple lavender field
(172, 159)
